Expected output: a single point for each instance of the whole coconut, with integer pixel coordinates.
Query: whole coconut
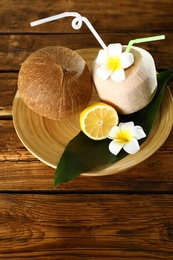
(55, 82)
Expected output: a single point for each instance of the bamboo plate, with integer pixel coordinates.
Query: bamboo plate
(46, 139)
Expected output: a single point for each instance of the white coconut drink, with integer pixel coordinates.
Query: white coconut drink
(128, 83)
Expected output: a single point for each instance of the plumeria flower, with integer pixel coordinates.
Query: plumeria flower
(125, 136)
(112, 62)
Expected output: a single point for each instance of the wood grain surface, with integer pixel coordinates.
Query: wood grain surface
(92, 227)
(122, 216)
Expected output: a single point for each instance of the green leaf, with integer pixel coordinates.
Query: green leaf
(82, 153)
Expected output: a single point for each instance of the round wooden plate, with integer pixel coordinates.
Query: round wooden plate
(46, 139)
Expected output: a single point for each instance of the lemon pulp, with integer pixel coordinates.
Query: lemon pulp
(97, 120)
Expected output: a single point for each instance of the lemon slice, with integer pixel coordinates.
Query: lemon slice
(97, 120)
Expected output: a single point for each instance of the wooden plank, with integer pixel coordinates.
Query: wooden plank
(150, 16)
(19, 170)
(8, 88)
(122, 226)
(14, 49)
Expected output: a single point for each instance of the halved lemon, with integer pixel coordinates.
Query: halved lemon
(97, 120)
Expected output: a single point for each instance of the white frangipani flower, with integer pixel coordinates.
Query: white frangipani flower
(112, 62)
(125, 136)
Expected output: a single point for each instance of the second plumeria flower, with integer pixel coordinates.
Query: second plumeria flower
(113, 61)
(125, 136)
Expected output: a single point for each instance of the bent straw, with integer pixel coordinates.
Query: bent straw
(76, 23)
(53, 18)
(147, 39)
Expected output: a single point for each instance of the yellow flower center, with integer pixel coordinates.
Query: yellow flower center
(124, 136)
(114, 63)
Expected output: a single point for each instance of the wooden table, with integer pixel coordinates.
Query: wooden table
(123, 216)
